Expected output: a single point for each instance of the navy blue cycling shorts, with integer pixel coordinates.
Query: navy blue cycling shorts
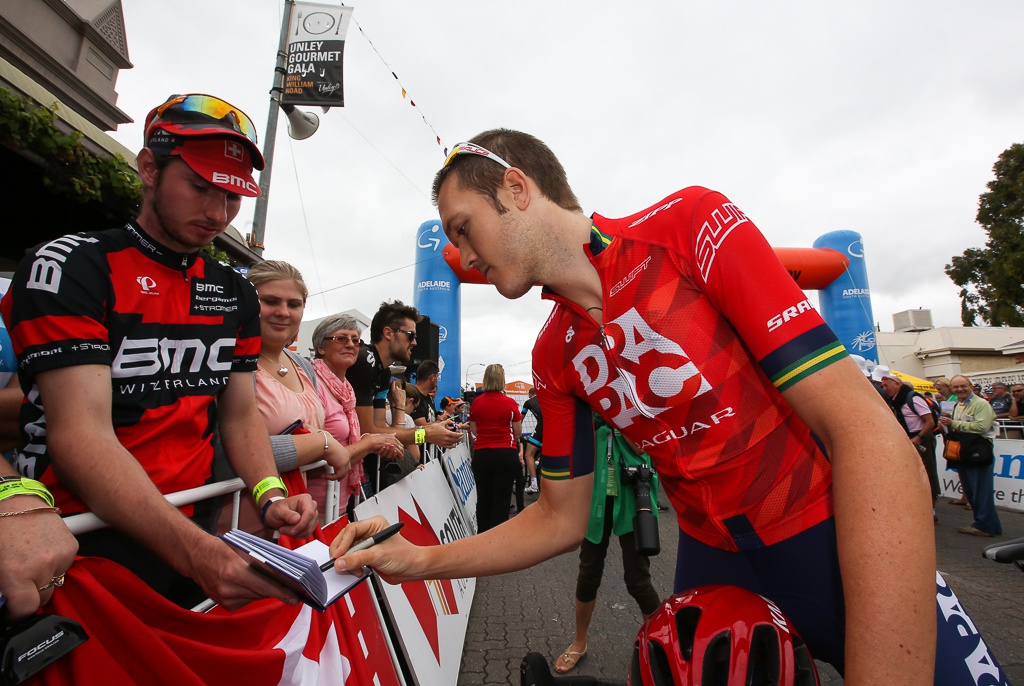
(801, 576)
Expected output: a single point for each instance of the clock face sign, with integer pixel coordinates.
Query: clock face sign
(317, 23)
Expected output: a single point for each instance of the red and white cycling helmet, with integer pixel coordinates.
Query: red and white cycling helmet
(720, 636)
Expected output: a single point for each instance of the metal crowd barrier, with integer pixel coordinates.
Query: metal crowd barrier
(1012, 429)
(87, 521)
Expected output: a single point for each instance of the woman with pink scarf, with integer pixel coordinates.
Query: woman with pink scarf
(336, 341)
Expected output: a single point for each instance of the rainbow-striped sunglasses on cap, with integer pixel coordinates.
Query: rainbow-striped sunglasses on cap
(195, 112)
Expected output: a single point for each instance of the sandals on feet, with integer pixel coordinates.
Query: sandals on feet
(568, 660)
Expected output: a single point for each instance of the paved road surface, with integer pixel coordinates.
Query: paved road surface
(532, 610)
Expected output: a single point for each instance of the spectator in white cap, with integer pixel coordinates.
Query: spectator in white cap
(879, 372)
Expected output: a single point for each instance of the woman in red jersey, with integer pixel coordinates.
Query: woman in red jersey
(495, 420)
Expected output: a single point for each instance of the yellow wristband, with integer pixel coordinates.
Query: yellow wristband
(23, 486)
(270, 483)
(420, 436)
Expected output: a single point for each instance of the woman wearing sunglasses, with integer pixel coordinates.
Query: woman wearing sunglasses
(336, 341)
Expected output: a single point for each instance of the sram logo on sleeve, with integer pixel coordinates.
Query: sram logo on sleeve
(789, 313)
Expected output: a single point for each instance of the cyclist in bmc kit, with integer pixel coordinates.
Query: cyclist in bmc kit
(679, 325)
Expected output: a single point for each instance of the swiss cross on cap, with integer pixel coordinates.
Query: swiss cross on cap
(234, 150)
(224, 163)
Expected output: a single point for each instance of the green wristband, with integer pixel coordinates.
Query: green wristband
(268, 484)
(23, 486)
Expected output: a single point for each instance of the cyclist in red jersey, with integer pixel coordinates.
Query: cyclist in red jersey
(134, 347)
(680, 326)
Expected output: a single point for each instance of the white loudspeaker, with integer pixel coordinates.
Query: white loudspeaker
(301, 125)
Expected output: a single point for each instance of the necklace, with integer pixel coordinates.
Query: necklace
(282, 370)
(594, 308)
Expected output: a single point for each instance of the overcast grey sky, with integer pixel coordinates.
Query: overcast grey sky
(879, 117)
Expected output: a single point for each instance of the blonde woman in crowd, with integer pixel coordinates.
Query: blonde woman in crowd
(285, 391)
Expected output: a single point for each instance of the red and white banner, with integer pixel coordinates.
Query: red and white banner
(138, 637)
(429, 617)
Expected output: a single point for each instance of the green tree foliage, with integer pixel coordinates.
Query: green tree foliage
(991, 279)
(70, 169)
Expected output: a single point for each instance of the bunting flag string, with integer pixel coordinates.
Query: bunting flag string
(405, 93)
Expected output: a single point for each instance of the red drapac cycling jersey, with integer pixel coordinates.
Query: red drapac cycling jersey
(171, 327)
(494, 413)
(703, 327)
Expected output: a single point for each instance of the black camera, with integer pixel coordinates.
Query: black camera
(645, 526)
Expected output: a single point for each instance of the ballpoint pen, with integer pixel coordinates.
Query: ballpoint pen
(373, 540)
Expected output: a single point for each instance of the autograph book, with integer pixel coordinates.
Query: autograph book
(297, 569)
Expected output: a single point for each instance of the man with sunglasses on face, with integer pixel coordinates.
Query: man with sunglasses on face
(680, 326)
(392, 338)
(134, 348)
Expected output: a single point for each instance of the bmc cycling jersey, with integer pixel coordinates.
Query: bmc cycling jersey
(703, 327)
(171, 327)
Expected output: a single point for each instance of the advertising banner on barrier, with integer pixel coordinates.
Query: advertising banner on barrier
(458, 467)
(424, 611)
(1008, 472)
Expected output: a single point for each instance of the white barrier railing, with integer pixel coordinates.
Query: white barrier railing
(1010, 428)
(87, 521)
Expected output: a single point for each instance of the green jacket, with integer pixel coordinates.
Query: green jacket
(625, 503)
(980, 413)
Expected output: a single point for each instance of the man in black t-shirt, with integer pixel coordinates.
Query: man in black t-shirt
(392, 338)
(427, 375)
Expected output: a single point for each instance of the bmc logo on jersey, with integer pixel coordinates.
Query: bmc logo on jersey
(150, 356)
(647, 374)
(47, 268)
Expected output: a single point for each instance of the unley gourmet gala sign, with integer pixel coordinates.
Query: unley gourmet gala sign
(316, 45)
